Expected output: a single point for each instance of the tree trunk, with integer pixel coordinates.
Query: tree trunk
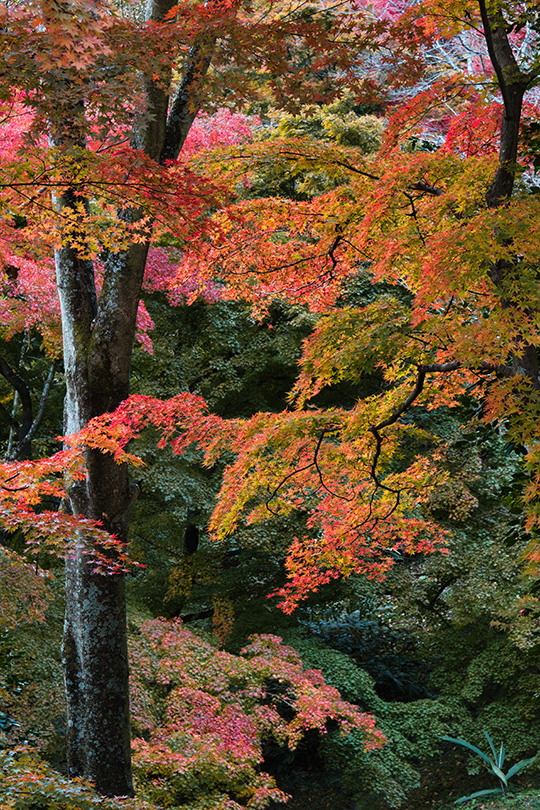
(98, 340)
(513, 84)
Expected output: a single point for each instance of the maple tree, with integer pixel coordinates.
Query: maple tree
(201, 718)
(116, 98)
(451, 225)
(432, 236)
(207, 736)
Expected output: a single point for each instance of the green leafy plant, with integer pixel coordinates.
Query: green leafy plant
(495, 766)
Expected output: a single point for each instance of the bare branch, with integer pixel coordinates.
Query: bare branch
(27, 438)
(24, 393)
(397, 412)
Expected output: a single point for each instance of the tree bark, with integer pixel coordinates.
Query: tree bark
(98, 339)
(95, 642)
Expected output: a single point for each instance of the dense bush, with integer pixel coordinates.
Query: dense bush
(388, 655)
(28, 783)
(202, 717)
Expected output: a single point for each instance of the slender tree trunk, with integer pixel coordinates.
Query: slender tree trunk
(513, 84)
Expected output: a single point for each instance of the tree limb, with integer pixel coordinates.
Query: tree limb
(24, 394)
(423, 369)
(5, 414)
(27, 438)
(186, 103)
(513, 84)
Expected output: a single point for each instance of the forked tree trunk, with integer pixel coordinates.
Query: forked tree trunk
(98, 339)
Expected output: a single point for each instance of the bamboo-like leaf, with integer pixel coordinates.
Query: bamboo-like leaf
(501, 756)
(518, 766)
(477, 794)
(465, 744)
(490, 741)
(497, 771)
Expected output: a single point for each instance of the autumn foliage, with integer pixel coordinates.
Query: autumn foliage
(204, 716)
(420, 220)
(435, 209)
(202, 719)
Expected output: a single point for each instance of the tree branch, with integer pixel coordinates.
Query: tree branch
(405, 405)
(24, 394)
(14, 425)
(513, 84)
(427, 188)
(295, 472)
(186, 103)
(27, 438)
(423, 370)
(500, 51)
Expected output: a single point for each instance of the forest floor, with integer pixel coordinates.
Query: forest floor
(526, 800)
(312, 794)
